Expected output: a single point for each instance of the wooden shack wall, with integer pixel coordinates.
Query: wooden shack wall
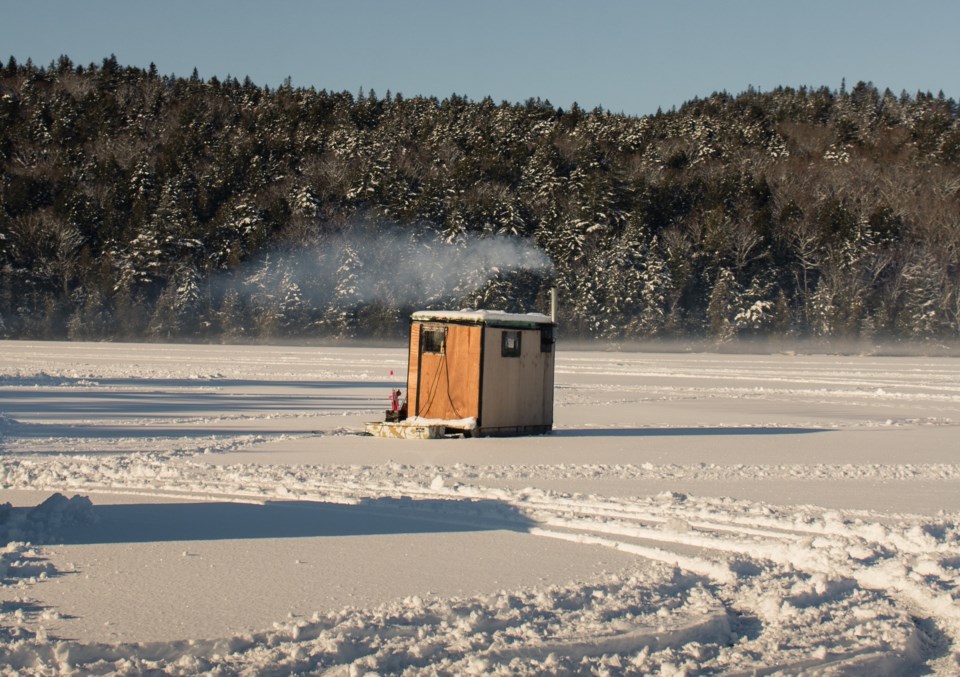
(445, 386)
(517, 391)
(413, 365)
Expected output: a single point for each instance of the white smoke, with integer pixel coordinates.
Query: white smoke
(395, 266)
(404, 271)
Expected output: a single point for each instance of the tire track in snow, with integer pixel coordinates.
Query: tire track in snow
(910, 574)
(738, 545)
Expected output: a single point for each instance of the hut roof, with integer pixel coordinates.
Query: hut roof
(486, 317)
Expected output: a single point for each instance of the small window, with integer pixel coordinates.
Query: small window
(433, 339)
(546, 339)
(510, 344)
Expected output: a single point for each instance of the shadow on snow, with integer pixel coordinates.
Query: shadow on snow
(149, 400)
(148, 523)
(682, 432)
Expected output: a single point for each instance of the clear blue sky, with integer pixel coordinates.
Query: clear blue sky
(630, 57)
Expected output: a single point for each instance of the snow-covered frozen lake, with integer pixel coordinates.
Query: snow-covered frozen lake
(690, 514)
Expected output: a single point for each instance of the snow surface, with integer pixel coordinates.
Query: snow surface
(482, 316)
(468, 423)
(213, 509)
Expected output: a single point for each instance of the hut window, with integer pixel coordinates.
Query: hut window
(546, 339)
(510, 344)
(433, 339)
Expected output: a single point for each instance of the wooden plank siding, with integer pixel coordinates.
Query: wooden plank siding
(517, 391)
(446, 385)
(413, 364)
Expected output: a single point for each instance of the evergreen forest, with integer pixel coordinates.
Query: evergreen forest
(140, 206)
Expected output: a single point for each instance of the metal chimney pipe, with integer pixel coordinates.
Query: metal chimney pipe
(553, 304)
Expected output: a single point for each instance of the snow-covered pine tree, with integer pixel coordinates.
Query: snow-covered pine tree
(755, 314)
(293, 311)
(340, 318)
(723, 305)
(655, 288)
(921, 314)
(230, 317)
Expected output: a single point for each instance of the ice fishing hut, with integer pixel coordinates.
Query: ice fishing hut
(488, 371)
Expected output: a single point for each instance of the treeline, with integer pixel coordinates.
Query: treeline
(136, 205)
